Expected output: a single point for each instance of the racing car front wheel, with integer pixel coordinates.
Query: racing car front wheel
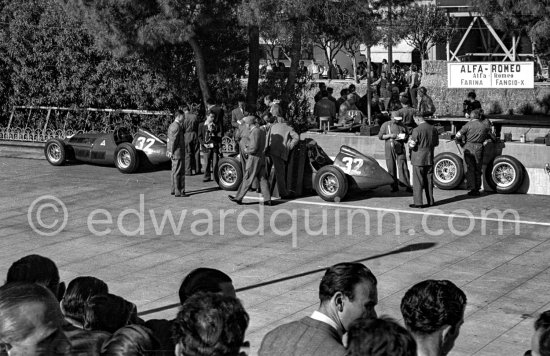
(230, 173)
(448, 170)
(55, 152)
(504, 174)
(126, 158)
(331, 184)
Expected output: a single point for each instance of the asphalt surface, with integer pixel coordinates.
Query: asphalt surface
(129, 231)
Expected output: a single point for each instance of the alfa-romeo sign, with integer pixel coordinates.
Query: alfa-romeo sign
(497, 75)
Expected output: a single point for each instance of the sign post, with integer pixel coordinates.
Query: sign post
(495, 75)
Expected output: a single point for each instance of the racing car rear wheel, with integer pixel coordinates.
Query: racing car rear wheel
(230, 173)
(331, 184)
(504, 174)
(448, 170)
(126, 158)
(55, 152)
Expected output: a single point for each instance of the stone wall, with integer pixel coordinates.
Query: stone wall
(449, 101)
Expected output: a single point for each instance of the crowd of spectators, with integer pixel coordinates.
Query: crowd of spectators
(39, 316)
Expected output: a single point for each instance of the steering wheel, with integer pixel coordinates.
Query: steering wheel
(121, 134)
(117, 134)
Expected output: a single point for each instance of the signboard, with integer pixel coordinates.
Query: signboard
(496, 75)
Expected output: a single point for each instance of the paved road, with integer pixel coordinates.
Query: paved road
(114, 230)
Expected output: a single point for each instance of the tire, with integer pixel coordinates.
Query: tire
(504, 174)
(229, 173)
(448, 170)
(55, 152)
(331, 184)
(126, 158)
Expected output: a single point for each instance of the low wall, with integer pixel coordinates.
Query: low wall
(449, 101)
(534, 157)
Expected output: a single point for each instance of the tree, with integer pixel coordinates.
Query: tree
(531, 17)
(132, 26)
(424, 26)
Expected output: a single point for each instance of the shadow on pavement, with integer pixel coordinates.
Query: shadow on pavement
(408, 248)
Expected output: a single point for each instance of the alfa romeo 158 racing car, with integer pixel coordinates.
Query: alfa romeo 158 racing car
(311, 166)
(118, 148)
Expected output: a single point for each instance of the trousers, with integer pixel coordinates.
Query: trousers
(473, 156)
(423, 180)
(178, 176)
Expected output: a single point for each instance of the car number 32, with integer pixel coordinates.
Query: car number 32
(144, 144)
(353, 165)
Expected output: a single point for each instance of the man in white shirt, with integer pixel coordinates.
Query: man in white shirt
(347, 292)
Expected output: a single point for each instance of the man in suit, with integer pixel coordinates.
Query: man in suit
(238, 113)
(210, 144)
(175, 150)
(347, 292)
(407, 113)
(395, 134)
(255, 164)
(218, 116)
(192, 144)
(325, 109)
(281, 140)
(422, 143)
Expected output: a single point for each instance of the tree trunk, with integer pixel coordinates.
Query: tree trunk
(201, 69)
(369, 100)
(253, 67)
(354, 66)
(390, 40)
(295, 54)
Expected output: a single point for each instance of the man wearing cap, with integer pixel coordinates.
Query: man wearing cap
(255, 164)
(395, 135)
(422, 143)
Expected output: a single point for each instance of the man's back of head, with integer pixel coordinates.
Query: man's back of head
(36, 269)
(210, 324)
(206, 280)
(379, 337)
(29, 314)
(434, 307)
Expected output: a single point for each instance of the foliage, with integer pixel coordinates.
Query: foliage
(424, 26)
(544, 104)
(495, 108)
(530, 17)
(526, 109)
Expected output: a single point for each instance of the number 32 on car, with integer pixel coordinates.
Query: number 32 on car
(352, 165)
(144, 144)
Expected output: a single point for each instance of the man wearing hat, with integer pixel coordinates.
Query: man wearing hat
(395, 135)
(255, 164)
(423, 141)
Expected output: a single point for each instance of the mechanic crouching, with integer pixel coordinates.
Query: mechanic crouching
(475, 134)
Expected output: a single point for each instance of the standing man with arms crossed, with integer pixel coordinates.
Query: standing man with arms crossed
(255, 164)
(175, 150)
(423, 140)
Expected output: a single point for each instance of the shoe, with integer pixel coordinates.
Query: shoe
(207, 180)
(177, 195)
(409, 190)
(172, 193)
(432, 204)
(474, 193)
(234, 200)
(184, 195)
(415, 206)
(199, 173)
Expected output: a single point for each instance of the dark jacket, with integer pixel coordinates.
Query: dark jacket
(425, 138)
(281, 140)
(176, 140)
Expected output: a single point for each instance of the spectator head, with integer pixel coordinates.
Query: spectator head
(384, 75)
(384, 61)
(472, 95)
(269, 118)
(108, 312)
(403, 100)
(476, 114)
(37, 269)
(79, 291)
(322, 86)
(348, 291)
(180, 115)
(330, 90)
(208, 279)
(210, 324)
(351, 88)
(379, 337)
(375, 97)
(434, 307)
(351, 98)
(344, 93)
(301, 63)
(210, 115)
(268, 62)
(414, 68)
(540, 342)
(241, 100)
(185, 108)
(268, 99)
(422, 90)
(334, 61)
(135, 340)
(29, 315)
(324, 94)
(395, 91)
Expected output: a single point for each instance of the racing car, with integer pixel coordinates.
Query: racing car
(331, 180)
(118, 148)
